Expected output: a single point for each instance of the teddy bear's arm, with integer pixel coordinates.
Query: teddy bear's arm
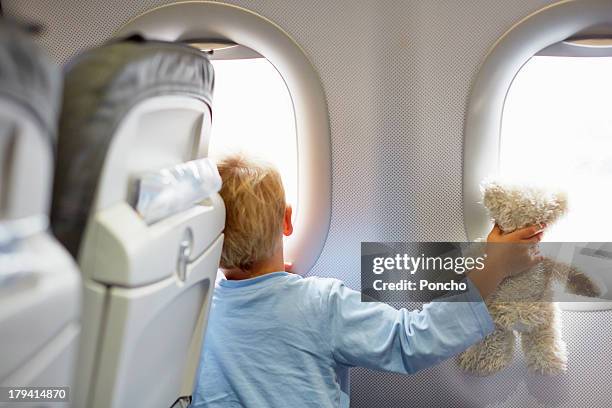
(576, 281)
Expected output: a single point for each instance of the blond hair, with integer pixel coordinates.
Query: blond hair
(255, 207)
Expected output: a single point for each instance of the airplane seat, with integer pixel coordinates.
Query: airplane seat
(135, 122)
(40, 288)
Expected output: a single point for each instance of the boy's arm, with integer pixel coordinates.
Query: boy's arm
(377, 336)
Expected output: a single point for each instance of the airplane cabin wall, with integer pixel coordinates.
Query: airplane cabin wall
(397, 76)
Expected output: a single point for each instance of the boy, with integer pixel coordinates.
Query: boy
(275, 339)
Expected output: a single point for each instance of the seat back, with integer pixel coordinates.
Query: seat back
(130, 108)
(39, 283)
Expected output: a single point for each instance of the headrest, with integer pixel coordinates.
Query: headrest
(28, 77)
(101, 86)
(30, 92)
(172, 190)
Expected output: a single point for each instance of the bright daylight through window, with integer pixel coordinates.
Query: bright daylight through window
(253, 113)
(557, 130)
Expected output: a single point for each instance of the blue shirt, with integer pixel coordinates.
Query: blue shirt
(280, 340)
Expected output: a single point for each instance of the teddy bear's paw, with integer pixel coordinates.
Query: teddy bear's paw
(544, 350)
(481, 367)
(547, 364)
(584, 286)
(490, 356)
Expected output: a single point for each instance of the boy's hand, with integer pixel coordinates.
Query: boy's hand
(507, 255)
(289, 267)
(515, 252)
(525, 235)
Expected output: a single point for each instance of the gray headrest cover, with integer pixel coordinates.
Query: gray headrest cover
(28, 77)
(101, 86)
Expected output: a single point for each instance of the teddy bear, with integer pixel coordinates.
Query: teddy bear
(522, 304)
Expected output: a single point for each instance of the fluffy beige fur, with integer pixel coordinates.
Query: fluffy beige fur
(523, 303)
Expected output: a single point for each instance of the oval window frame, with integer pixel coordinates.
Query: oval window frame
(482, 132)
(184, 21)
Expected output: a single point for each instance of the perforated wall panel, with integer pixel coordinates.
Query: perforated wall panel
(397, 76)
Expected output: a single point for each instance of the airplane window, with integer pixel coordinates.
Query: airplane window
(253, 114)
(557, 129)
